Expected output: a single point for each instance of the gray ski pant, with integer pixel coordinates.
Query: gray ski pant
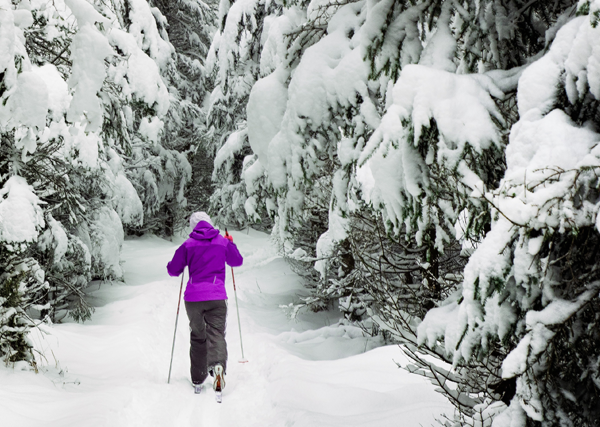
(207, 327)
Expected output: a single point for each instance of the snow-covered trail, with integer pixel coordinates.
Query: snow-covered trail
(112, 370)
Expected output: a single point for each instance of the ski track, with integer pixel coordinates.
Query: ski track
(112, 370)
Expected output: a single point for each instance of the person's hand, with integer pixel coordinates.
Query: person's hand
(228, 236)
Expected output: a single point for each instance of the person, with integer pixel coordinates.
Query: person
(205, 253)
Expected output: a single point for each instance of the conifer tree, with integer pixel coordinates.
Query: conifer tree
(81, 116)
(530, 290)
(394, 117)
(189, 25)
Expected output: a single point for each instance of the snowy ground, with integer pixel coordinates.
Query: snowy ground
(112, 370)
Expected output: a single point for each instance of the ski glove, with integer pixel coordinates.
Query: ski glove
(229, 237)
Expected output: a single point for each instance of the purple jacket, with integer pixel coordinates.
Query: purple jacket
(205, 253)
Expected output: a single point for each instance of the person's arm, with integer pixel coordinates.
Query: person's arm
(233, 257)
(179, 261)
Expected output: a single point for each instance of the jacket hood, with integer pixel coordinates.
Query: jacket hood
(204, 231)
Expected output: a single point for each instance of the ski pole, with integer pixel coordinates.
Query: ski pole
(243, 359)
(175, 333)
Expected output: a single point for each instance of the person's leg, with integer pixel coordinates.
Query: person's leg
(195, 312)
(215, 316)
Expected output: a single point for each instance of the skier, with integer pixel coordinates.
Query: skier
(205, 253)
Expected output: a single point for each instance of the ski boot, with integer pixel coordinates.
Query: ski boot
(219, 383)
(197, 388)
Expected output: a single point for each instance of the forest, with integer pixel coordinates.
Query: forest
(430, 168)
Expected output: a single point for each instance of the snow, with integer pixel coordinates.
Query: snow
(304, 372)
(28, 104)
(540, 146)
(537, 88)
(337, 231)
(58, 91)
(547, 156)
(20, 213)
(233, 145)
(449, 99)
(513, 416)
(151, 129)
(139, 74)
(23, 18)
(537, 339)
(88, 50)
(325, 247)
(329, 71)
(143, 28)
(441, 48)
(105, 241)
(252, 174)
(84, 12)
(264, 112)
(274, 40)
(7, 35)
(464, 112)
(126, 201)
(229, 42)
(506, 80)
(573, 54)
(59, 238)
(435, 324)
(86, 145)
(224, 6)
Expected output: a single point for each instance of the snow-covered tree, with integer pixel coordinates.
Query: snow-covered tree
(152, 154)
(83, 105)
(315, 121)
(21, 277)
(190, 25)
(234, 66)
(396, 116)
(530, 288)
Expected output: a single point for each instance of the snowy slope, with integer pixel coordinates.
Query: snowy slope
(112, 371)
